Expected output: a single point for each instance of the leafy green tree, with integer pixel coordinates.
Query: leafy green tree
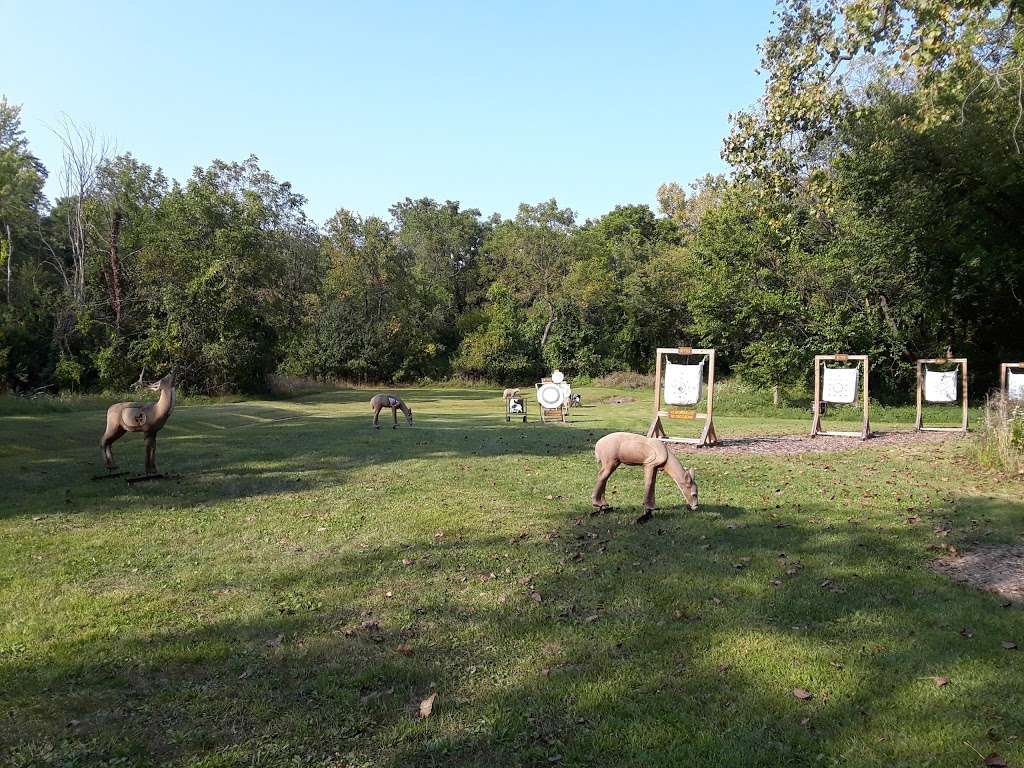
(531, 254)
(215, 268)
(21, 189)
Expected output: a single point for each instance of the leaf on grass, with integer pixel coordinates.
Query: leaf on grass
(537, 597)
(273, 643)
(941, 681)
(405, 649)
(802, 694)
(995, 760)
(967, 632)
(1009, 645)
(427, 705)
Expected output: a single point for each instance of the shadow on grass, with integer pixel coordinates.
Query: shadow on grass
(246, 450)
(588, 641)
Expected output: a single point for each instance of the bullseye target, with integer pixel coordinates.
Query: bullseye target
(550, 395)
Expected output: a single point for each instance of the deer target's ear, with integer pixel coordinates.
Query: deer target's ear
(693, 475)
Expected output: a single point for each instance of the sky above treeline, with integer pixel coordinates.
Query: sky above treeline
(361, 105)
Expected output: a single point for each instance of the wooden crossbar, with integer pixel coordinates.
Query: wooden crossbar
(819, 361)
(961, 362)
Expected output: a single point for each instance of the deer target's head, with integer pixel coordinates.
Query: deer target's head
(688, 485)
(165, 383)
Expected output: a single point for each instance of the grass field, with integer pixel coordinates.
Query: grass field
(302, 583)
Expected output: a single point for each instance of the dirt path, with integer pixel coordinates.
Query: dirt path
(990, 569)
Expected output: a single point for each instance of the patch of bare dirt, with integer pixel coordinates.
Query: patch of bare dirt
(618, 400)
(771, 444)
(998, 569)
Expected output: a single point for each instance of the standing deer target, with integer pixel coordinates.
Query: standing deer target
(147, 418)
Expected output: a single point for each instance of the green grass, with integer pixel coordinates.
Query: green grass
(304, 581)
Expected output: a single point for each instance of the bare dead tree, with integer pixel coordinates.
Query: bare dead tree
(84, 153)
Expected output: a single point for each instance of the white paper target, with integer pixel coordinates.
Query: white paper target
(839, 385)
(557, 376)
(684, 384)
(940, 386)
(550, 395)
(516, 405)
(1015, 385)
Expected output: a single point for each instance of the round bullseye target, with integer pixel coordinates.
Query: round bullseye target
(550, 395)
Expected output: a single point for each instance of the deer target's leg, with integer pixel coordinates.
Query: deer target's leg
(109, 436)
(394, 415)
(597, 498)
(151, 454)
(650, 481)
(376, 417)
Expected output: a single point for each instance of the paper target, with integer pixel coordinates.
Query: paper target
(940, 386)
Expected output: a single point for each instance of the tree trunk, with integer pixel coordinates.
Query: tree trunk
(547, 329)
(115, 270)
(10, 259)
(775, 396)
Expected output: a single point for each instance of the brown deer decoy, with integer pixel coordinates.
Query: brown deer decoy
(147, 418)
(395, 403)
(654, 456)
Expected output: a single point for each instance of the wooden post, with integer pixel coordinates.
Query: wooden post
(920, 388)
(866, 429)
(816, 399)
(963, 396)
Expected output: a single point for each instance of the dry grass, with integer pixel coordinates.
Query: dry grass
(1000, 442)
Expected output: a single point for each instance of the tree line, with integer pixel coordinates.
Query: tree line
(875, 205)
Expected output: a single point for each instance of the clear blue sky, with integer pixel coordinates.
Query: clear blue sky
(360, 105)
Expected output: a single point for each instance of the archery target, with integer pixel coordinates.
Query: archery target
(550, 396)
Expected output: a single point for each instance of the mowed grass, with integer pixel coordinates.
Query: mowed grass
(302, 583)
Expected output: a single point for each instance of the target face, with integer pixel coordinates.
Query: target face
(557, 377)
(550, 396)
(516, 405)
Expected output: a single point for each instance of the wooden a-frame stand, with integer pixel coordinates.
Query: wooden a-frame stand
(919, 422)
(865, 429)
(657, 430)
(1004, 379)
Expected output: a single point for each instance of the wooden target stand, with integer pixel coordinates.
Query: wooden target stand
(865, 429)
(657, 429)
(551, 414)
(961, 362)
(1004, 379)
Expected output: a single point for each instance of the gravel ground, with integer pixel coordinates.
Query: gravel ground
(821, 444)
